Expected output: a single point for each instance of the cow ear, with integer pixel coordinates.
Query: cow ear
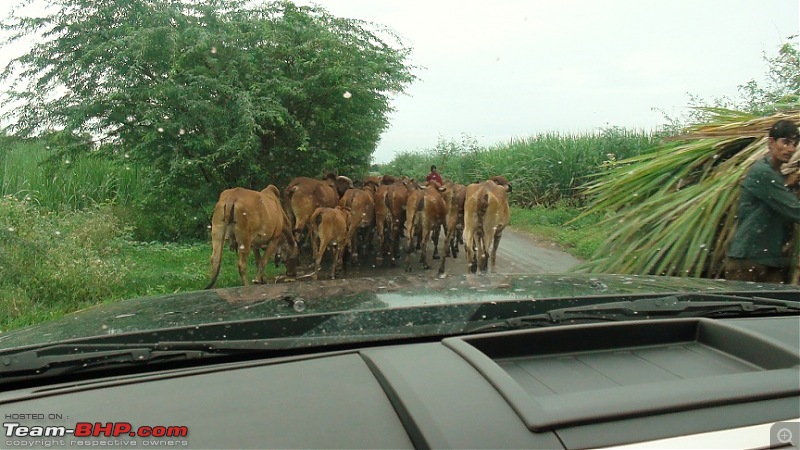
(509, 187)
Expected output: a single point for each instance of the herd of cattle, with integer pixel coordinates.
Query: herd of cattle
(374, 219)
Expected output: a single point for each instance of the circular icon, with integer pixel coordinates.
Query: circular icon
(784, 435)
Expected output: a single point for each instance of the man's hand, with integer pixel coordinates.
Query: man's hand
(792, 179)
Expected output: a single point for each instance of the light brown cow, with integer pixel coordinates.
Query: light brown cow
(304, 195)
(396, 202)
(329, 227)
(382, 219)
(454, 197)
(486, 214)
(251, 219)
(425, 216)
(361, 203)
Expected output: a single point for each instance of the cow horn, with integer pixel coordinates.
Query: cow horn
(348, 180)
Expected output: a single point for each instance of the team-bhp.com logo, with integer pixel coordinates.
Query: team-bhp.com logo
(97, 429)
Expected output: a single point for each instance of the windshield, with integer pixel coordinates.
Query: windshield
(387, 170)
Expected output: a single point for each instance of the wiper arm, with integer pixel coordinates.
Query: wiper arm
(58, 359)
(647, 308)
(62, 358)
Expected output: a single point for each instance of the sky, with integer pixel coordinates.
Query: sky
(505, 69)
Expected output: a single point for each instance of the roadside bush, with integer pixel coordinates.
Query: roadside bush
(54, 263)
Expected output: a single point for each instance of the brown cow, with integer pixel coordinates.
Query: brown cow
(425, 216)
(329, 227)
(486, 214)
(304, 195)
(454, 197)
(361, 203)
(396, 202)
(251, 219)
(382, 217)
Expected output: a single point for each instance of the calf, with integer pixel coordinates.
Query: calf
(304, 195)
(361, 203)
(329, 228)
(454, 196)
(425, 216)
(396, 202)
(382, 218)
(251, 219)
(486, 214)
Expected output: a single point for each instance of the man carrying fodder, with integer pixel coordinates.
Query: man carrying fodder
(791, 170)
(767, 214)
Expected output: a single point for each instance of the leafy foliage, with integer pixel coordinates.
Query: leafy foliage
(52, 262)
(207, 95)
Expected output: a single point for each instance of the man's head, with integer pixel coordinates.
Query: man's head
(433, 168)
(783, 139)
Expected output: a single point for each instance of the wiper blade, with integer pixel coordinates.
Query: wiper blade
(642, 309)
(59, 359)
(62, 358)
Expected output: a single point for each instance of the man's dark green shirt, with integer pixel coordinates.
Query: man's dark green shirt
(766, 214)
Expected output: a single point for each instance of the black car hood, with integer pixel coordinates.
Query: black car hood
(307, 298)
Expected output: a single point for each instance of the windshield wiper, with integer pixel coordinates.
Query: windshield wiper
(65, 358)
(642, 309)
(60, 359)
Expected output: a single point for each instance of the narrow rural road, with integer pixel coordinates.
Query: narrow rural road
(519, 252)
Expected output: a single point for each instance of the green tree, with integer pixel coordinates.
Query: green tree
(207, 94)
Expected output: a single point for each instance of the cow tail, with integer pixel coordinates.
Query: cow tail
(287, 205)
(483, 205)
(216, 261)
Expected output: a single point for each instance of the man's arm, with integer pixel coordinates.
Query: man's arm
(771, 188)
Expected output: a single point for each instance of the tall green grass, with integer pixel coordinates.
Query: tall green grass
(52, 264)
(544, 169)
(66, 184)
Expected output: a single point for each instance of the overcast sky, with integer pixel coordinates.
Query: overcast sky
(515, 68)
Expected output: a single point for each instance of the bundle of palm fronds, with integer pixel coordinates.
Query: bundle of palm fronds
(672, 211)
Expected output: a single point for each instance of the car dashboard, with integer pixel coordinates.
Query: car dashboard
(576, 386)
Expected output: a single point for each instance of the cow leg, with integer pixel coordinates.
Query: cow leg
(244, 252)
(409, 251)
(497, 235)
(338, 259)
(271, 249)
(436, 242)
(483, 254)
(395, 244)
(260, 262)
(369, 246)
(449, 237)
(354, 242)
(426, 237)
(320, 244)
(379, 234)
(469, 250)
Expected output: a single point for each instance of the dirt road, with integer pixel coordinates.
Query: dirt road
(519, 252)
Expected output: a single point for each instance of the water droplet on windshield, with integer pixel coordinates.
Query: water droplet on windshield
(299, 305)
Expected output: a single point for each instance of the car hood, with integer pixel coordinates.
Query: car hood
(219, 306)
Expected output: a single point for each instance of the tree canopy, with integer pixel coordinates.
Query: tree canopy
(207, 94)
